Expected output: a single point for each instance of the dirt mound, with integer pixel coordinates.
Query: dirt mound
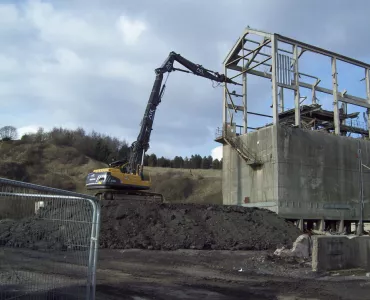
(149, 225)
(194, 226)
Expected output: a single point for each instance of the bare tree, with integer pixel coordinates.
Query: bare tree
(8, 133)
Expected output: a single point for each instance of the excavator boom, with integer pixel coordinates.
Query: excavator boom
(141, 145)
(127, 176)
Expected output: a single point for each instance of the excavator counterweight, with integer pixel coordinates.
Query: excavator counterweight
(125, 179)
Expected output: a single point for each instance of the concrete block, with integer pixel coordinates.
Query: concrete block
(340, 252)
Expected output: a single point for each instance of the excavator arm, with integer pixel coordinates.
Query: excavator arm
(141, 145)
(124, 179)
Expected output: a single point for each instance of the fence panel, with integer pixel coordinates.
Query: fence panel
(48, 242)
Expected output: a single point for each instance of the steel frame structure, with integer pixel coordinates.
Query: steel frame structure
(283, 64)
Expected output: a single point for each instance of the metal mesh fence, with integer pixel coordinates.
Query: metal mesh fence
(48, 242)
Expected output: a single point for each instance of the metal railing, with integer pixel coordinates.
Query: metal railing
(221, 132)
(238, 145)
(48, 242)
(356, 123)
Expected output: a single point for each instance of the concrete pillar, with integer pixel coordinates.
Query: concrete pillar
(341, 226)
(301, 224)
(359, 228)
(322, 225)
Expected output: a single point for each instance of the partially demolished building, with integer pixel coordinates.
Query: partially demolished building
(306, 162)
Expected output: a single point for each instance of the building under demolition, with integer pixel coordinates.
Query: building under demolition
(308, 162)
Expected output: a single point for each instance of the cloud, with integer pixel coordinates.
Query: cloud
(131, 30)
(69, 63)
(217, 153)
(8, 14)
(27, 130)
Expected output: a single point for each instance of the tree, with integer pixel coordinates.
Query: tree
(161, 162)
(195, 161)
(178, 162)
(216, 164)
(8, 133)
(152, 160)
(186, 163)
(124, 151)
(146, 160)
(167, 163)
(206, 162)
(102, 151)
(40, 135)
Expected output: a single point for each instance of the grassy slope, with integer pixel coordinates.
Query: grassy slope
(184, 185)
(66, 168)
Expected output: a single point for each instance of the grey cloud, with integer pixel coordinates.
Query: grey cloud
(202, 31)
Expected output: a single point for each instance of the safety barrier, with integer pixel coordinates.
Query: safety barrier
(48, 242)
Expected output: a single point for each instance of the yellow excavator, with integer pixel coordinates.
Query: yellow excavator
(126, 180)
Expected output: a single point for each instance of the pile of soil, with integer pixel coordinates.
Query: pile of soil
(158, 226)
(182, 226)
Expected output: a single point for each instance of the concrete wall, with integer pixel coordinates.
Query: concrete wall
(241, 181)
(340, 252)
(318, 174)
(306, 174)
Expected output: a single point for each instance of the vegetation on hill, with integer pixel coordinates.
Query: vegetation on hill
(62, 158)
(105, 148)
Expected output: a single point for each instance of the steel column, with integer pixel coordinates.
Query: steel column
(367, 78)
(281, 99)
(245, 103)
(274, 48)
(297, 96)
(335, 95)
(224, 111)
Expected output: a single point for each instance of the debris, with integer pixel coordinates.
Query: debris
(302, 247)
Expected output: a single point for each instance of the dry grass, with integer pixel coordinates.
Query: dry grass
(66, 168)
(191, 186)
(185, 172)
(45, 164)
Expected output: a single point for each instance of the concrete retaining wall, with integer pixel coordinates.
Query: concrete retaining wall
(305, 175)
(340, 252)
(318, 174)
(243, 185)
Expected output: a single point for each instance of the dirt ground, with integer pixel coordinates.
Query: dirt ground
(182, 274)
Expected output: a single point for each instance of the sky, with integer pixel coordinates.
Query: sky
(90, 63)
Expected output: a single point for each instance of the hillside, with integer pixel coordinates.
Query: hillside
(66, 168)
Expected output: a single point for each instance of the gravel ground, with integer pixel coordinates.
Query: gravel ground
(182, 274)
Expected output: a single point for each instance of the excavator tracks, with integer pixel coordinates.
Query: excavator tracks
(129, 195)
